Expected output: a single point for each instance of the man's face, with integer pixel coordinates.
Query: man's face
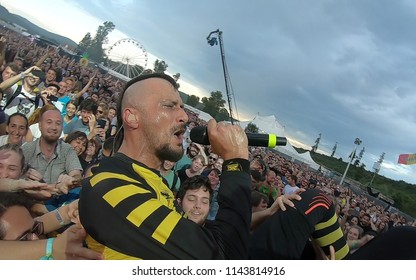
(111, 114)
(51, 75)
(212, 158)
(69, 85)
(50, 126)
(18, 222)
(62, 88)
(162, 118)
(10, 165)
(52, 90)
(271, 178)
(85, 115)
(17, 129)
(195, 204)
(32, 80)
(8, 73)
(262, 205)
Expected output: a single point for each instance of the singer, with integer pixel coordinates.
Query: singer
(199, 134)
(126, 194)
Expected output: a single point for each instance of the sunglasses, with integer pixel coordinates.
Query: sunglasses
(99, 111)
(213, 158)
(37, 229)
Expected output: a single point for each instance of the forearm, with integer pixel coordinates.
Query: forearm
(234, 214)
(19, 250)
(55, 219)
(11, 81)
(258, 217)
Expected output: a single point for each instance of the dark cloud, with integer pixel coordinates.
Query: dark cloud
(341, 68)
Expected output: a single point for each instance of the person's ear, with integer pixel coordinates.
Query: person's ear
(131, 118)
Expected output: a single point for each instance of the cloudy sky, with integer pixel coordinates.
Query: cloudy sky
(343, 68)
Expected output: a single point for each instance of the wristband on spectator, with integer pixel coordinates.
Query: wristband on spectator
(59, 217)
(22, 76)
(49, 248)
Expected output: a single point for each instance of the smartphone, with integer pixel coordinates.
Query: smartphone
(101, 123)
(52, 98)
(38, 73)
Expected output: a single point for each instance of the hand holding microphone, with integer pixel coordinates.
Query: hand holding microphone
(226, 140)
(199, 134)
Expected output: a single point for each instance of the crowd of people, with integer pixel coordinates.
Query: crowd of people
(84, 154)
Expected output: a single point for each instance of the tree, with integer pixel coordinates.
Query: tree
(160, 66)
(192, 100)
(177, 76)
(214, 104)
(94, 47)
(85, 43)
(251, 128)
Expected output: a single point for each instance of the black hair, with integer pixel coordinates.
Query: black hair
(8, 200)
(195, 183)
(75, 135)
(120, 133)
(257, 196)
(88, 105)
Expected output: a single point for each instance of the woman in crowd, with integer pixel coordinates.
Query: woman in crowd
(78, 140)
(17, 127)
(11, 170)
(196, 167)
(90, 155)
(70, 115)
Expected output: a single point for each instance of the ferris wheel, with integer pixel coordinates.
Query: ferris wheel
(127, 57)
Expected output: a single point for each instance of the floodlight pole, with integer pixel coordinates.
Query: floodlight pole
(224, 68)
(357, 142)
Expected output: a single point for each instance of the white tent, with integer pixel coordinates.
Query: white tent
(266, 124)
(269, 124)
(201, 114)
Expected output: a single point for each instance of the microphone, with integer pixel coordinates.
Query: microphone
(199, 134)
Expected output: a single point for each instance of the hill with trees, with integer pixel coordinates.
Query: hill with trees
(403, 194)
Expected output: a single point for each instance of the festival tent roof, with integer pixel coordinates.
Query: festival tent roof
(201, 114)
(266, 124)
(269, 124)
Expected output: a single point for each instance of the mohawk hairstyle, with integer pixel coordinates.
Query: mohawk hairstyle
(118, 137)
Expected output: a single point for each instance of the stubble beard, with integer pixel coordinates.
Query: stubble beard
(165, 152)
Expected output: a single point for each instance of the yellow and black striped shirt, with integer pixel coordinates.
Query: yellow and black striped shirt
(128, 208)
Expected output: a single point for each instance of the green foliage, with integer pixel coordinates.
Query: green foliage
(94, 46)
(214, 105)
(251, 128)
(160, 66)
(403, 194)
(192, 100)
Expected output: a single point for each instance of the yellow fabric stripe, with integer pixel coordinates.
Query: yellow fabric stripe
(272, 140)
(115, 196)
(342, 253)
(110, 175)
(330, 238)
(326, 224)
(166, 227)
(142, 212)
(110, 254)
